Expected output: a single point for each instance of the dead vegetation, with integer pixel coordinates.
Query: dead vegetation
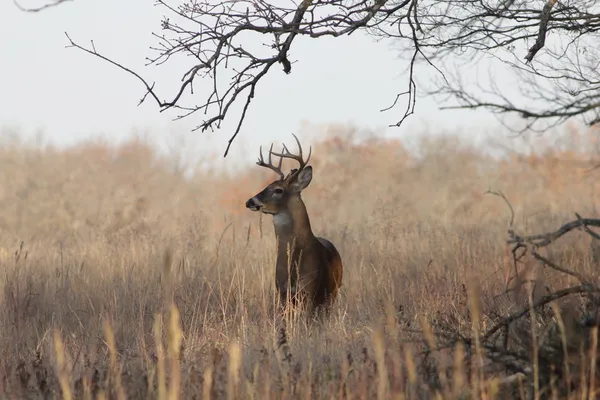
(124, 279)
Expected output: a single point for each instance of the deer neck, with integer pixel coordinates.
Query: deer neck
(292, 227)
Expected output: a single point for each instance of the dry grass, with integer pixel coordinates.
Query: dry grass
(97, 244)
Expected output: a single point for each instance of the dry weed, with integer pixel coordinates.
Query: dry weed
(123, 278)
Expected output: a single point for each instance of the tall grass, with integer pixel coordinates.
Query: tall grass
(123, 278)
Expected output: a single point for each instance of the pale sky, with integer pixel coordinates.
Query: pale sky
(70, 96)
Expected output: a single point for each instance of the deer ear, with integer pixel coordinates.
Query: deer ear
(302, 180)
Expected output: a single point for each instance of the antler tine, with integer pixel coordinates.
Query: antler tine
(300, 148)
(299, 158)
(276, 169)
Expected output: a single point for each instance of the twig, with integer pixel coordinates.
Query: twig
(510, 207)
(558, 268)
(149, 88)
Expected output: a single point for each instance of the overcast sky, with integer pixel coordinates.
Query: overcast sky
(69, 96)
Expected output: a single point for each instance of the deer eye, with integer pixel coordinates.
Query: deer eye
(278, 190)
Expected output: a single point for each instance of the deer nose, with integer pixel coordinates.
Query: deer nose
(253, 204)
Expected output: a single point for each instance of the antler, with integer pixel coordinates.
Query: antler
(285, 154)
(277, 169)
(299, 158)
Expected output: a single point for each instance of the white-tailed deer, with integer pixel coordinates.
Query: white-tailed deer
(309, 268)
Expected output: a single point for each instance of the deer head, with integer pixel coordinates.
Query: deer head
(274, 198)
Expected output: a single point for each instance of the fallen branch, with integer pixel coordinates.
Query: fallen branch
(581, 289)
(545, 239)
(587, 230)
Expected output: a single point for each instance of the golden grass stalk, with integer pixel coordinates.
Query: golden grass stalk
(477, 378)
(115, 368)
(235, 364)
(379, 345)
(160, 358)
(593, 359)
(563, 339)
(459, 378)
(63, 376)
(534, 344)
(174, 338)
(207, 383)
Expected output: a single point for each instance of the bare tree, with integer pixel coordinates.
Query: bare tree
(553, 48)
(232, 45)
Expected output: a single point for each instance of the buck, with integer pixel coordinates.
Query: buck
(309, 268)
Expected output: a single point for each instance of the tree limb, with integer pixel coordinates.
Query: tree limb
(221, 42)
(40, 8)
(217, 37)
(541, 302)
(545, 239)
(541, 39)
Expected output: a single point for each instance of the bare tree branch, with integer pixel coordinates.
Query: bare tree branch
(39, 8)
(558, 268)
(538, 340)
(232, 45)
(510, 207)
(562, 83)
(541, 39)
(149, 88)
(587, 229)
(221, 38)
(541, 302)
(545, 239)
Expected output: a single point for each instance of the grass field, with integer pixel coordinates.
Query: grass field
(98, 244)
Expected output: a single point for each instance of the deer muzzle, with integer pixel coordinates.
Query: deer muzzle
(254, 204)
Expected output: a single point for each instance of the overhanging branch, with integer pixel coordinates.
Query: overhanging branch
(541, 39)
(40, 8)
(221, 39)
(217, 36)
